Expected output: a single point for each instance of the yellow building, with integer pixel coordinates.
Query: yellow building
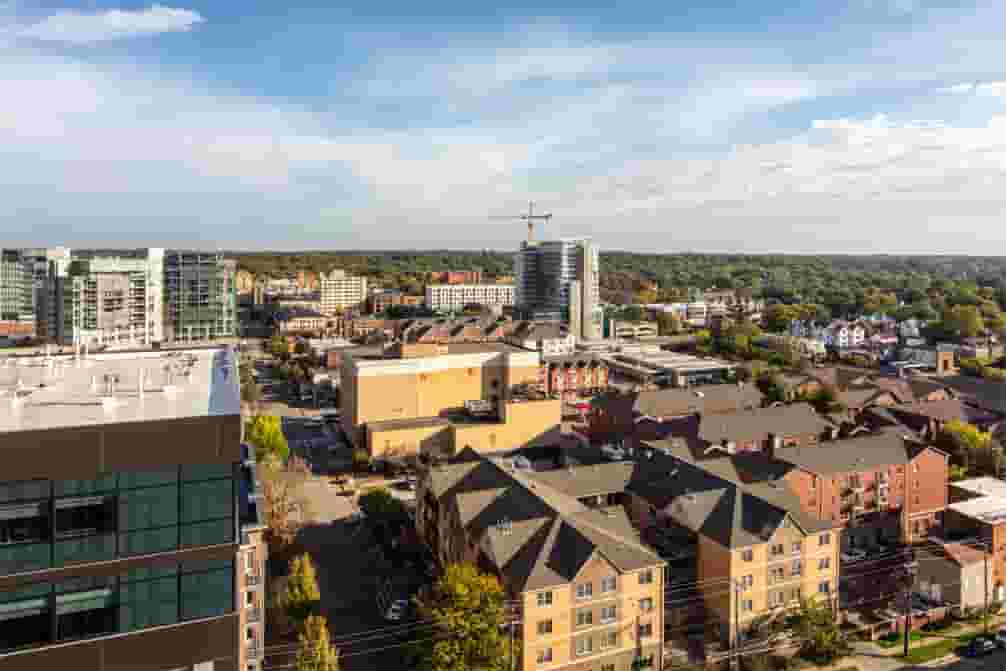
(445, 397)
(591, 595)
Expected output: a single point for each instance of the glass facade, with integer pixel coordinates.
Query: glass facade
(80, 608)
(51, 524)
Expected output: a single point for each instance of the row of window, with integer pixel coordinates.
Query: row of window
(780, 548)
(85, 607)
(779, 598)
(585, 590)
(778, 573)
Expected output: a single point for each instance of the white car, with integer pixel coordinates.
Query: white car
(396, 611)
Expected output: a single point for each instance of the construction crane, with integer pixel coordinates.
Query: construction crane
(530, 218)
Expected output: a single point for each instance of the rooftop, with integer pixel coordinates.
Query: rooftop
(985, 486)
(45, 392)
(990, 509)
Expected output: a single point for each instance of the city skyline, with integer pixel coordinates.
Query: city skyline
(856, 126)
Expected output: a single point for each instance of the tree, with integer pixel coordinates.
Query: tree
(467, 607)
(816, 625)
(316, 652)
(279, 347)
(361, 459)
(301, 597)
(286, 507)
(265, 434)
(385, 514)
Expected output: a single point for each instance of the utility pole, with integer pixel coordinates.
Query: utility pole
(985, 557)
(735, 657)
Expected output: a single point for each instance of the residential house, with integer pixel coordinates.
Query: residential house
(762, 429)
(590, 594)
(954, 573)
(844, 335)
(929, 417)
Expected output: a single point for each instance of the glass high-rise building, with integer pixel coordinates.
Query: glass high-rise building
(558, 280)
(200, 296)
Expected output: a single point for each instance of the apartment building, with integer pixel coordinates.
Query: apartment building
(549, 338)
(250, 572)
(452, 297)
(17, 317)
(112, 298)
(571, 376)
(119, 515)
(200, 296)
(299, 320)
(625, 330)
(455, 277)
(591, 595)
(379, 301)
(420, 398)
(340, 291)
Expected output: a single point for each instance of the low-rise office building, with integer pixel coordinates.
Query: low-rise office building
(340, 291)
(417, 398)
(119, 515)
(447, 297)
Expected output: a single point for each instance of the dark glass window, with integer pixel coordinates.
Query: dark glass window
(85, 516)
(148, 603)
(24, 522)
(23, 557)
(210, 500)
(104, 483)
(136, 479)
(192, 473)
(207, 589)
(25, 617)
(85, 607)
(25, 490)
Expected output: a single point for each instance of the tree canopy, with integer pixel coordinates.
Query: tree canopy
(265, 434)
(316, 652)
(301, 597)
(468, 608)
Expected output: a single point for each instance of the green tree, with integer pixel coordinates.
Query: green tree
(265, 434)
(972, 448)
(467, 607)
(301, 597)
(279, 347)
(316, 652)
(286, 506)
(822, 639)
(385, 514)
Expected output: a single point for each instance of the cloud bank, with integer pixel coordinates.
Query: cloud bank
(78, 28)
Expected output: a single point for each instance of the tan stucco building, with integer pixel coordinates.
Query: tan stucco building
(420, 397)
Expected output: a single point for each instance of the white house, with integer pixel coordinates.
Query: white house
(842, 334)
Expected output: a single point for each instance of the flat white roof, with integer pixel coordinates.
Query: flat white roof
(984, 485)
(991, 509)
(65, 391)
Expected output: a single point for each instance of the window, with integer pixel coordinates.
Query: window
(824, 563)
(27, 616)
(796, 548)
(544, 655)
(207, 589)
(646, 577)
(544, 627)
(249, 599)
(747, 605)
(608, 584)
(607, 667)
(645, 630)
(609, 639)
(584, 590)
(747, 581)
(544, 599)
(778, 549)
(747, 555)
(775, 599)
(608, 614)
(646, 605)
(824, 588)
(584, 618)
(824, 539)
(778, 574)
(797, 567)
(584, 646)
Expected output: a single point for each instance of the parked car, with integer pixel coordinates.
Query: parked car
(356, 517)
(980, 646)
(1001, 638)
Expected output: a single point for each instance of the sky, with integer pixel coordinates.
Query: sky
(806, 126)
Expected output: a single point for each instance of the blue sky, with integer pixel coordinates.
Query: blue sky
(801, 126)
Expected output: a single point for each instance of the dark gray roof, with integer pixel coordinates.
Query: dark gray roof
(759, 424)
(855, 454)
(675, 402)
(583, 481)
(535, 534)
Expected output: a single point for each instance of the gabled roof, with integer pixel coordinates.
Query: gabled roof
(946, 410)
(860, 398)
(676, 402)
(852, 455)
(759, 424)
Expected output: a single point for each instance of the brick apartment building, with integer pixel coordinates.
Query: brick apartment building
(455, 277)
(976, 516)
(120, 523)
(591, 595)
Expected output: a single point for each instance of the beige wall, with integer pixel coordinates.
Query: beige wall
(522, 423)
(409, 441)
(563, 615)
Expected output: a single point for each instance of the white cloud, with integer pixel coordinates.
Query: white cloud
(74, 27)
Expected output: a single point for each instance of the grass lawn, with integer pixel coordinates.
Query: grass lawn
(941, 648)
(892, 642)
